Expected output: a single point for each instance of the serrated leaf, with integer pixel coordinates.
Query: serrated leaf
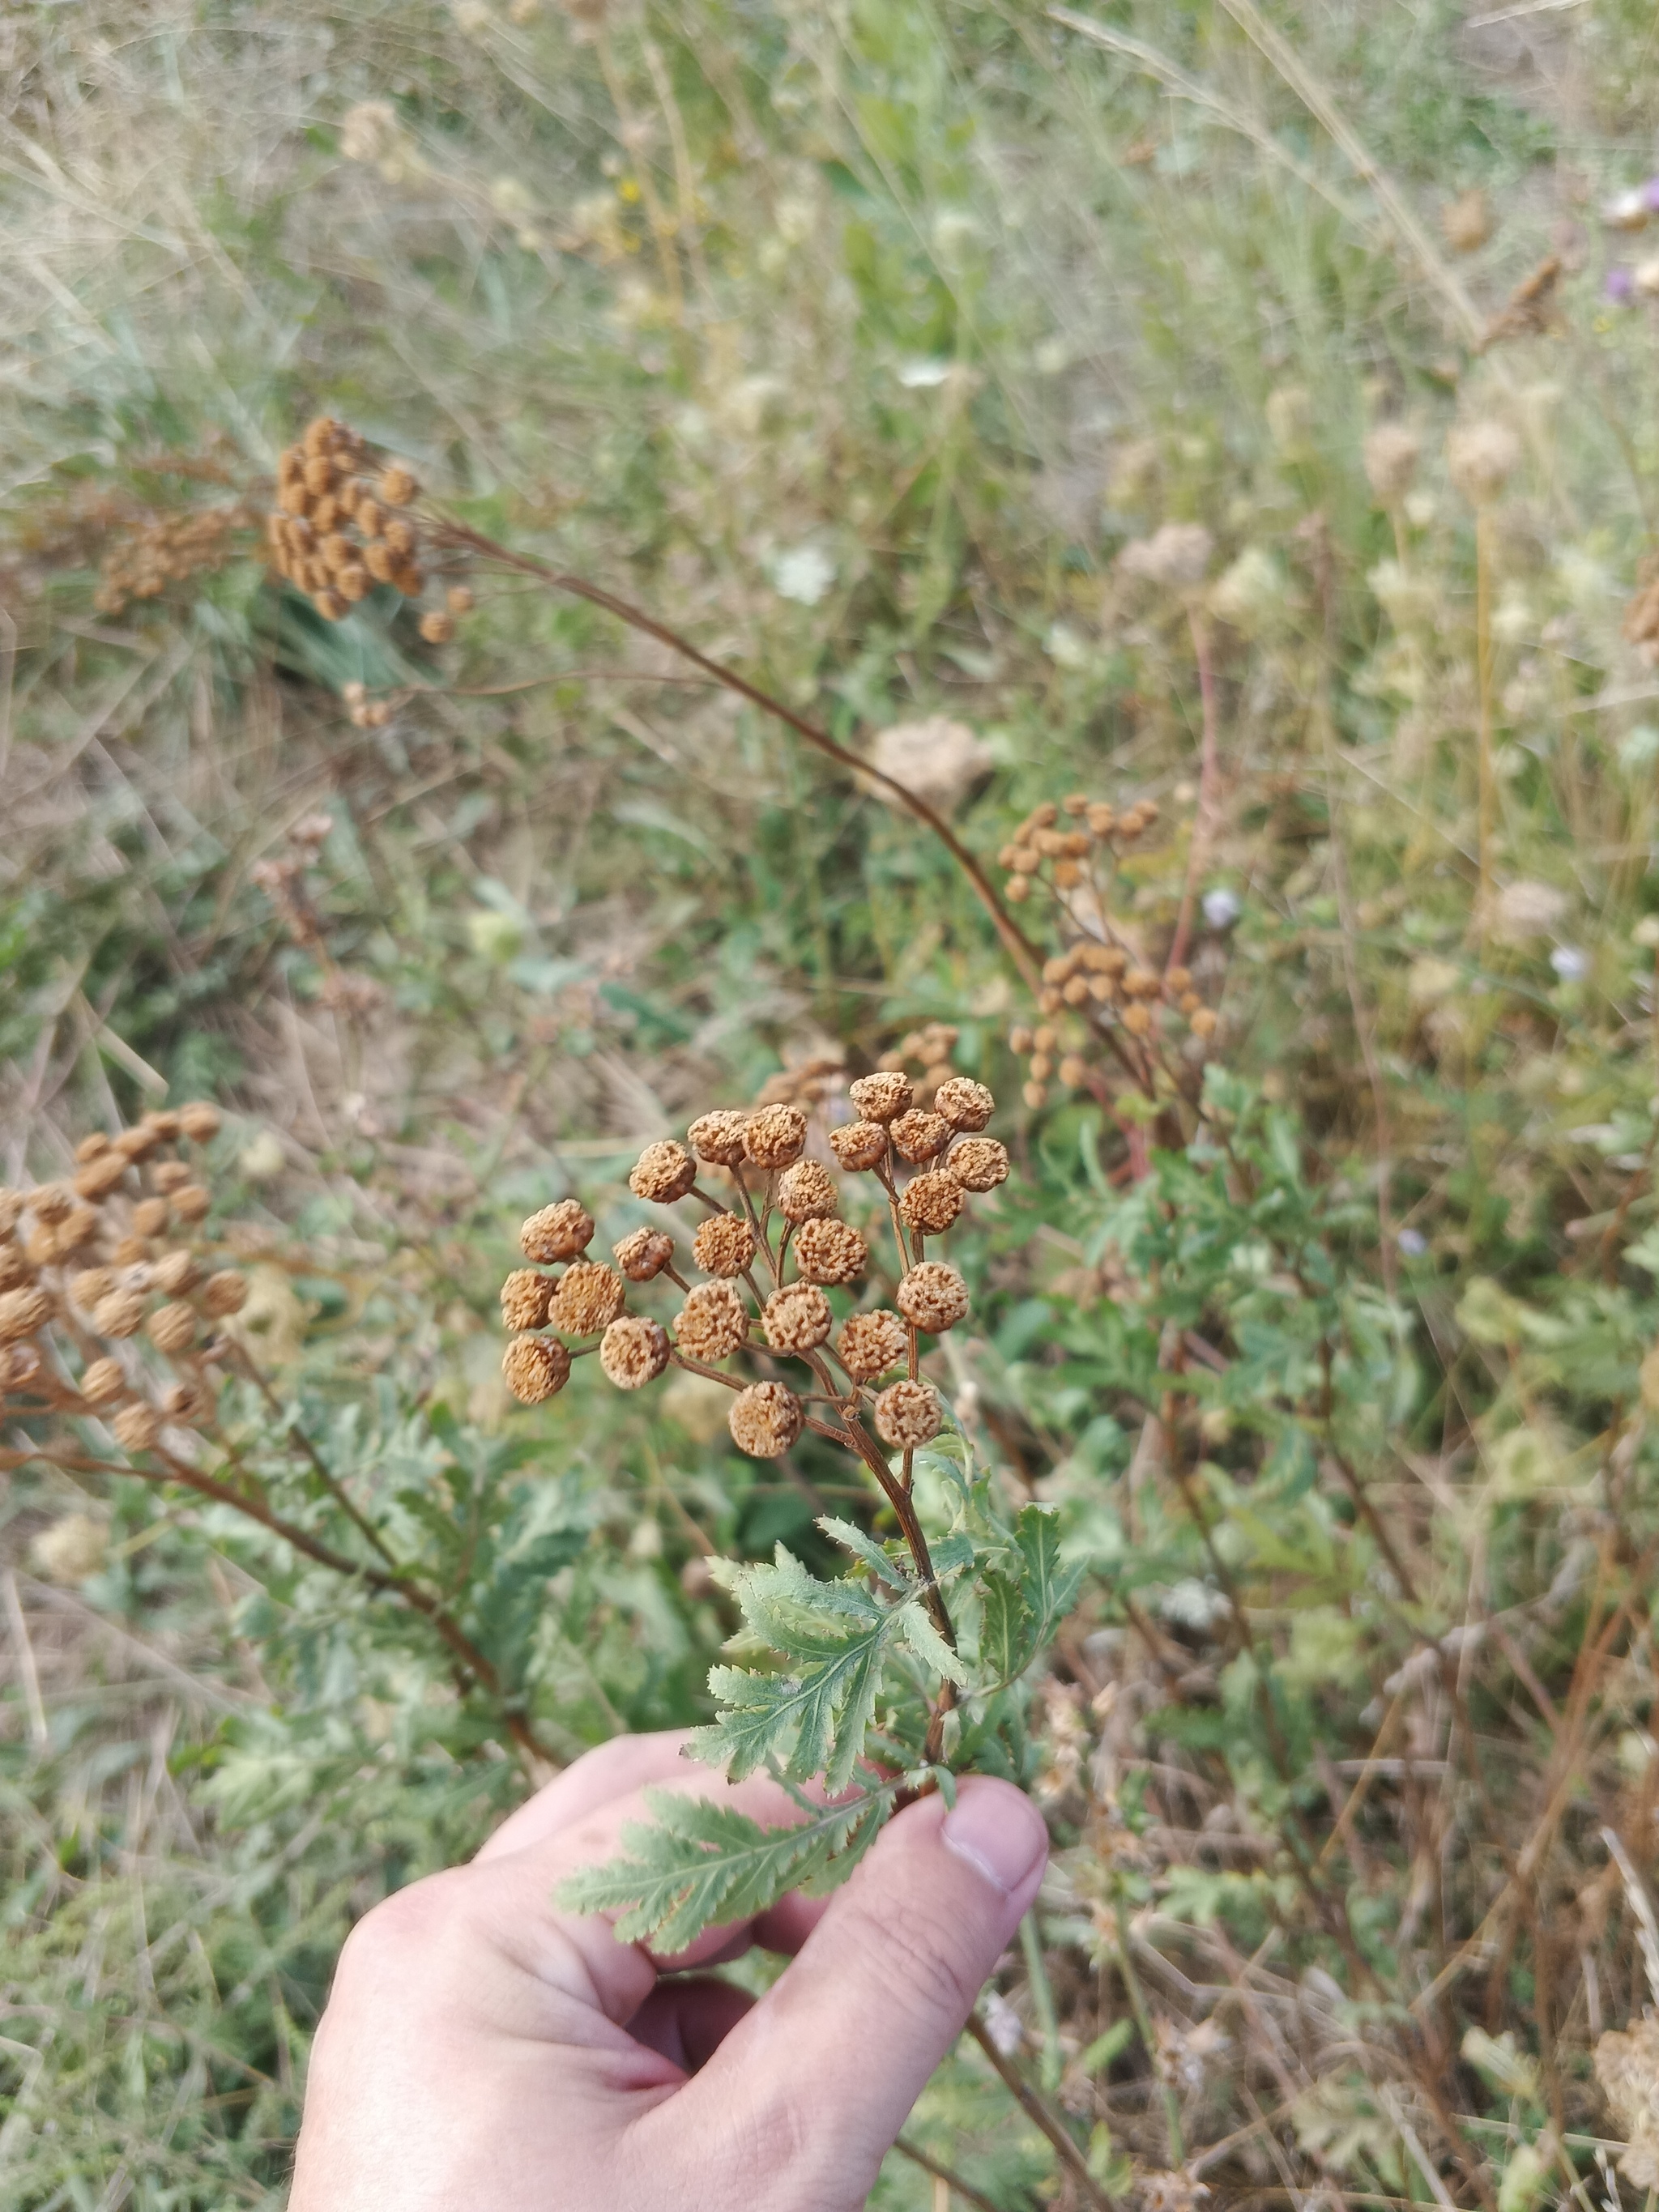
(951, 1553)
(865, 1548)
(1005, 1635)
(702, 1863)
(809, 1721)
(1050, 1586)
(929, 1646)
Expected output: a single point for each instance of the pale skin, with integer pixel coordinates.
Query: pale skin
(484, 2051)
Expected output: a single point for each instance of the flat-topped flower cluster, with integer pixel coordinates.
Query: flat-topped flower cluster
(771, 1246)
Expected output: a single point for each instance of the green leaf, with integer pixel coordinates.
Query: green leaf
(701, 1864)
(1005, 1636)
(865, 1548)
(1050, 1586)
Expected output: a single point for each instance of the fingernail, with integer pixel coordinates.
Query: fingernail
(999, 1831)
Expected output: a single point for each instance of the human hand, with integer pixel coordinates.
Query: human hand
(482, 2051)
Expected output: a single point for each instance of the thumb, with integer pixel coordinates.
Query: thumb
(823, 2071)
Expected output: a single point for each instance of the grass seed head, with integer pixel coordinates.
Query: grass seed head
(909, 1414)
(830, 1252)
(712, 1322)
(765, 1419)
(797, 1318)
(588, 1299)
(1482, 457)
(535, 1368)
(933, 1296)
(724, 1245)
(634, 1351)
(663, 1172)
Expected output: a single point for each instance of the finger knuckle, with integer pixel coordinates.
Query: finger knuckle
(411, 1923)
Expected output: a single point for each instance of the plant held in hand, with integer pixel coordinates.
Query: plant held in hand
(884, 1683)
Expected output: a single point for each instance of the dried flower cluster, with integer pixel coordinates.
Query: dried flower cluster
(345, 522)
(147, 556)
(930, 1050)
(1099, 986)
(770, 1253)
(108, 1303)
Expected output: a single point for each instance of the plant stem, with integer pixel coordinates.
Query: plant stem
(1042, 1997)
(1144, 2022)
(1483, 667)
(1037, 2109)
(1208, 775)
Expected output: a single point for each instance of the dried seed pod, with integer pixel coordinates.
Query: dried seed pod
(319, 438)
(186, 1403)
(12, 1203)
(169, 1176)
(909, 1414)
(191, 1203)
(643, 1254)
(318, 477)
(173, 1328)
(806, 1192)
(329, 604)
(559, 1231)
(634, 1351)
(175, 1272)
(932, 1296)
(102, 1382)
(381, 562)
(859, 1145)
(129, 1253)
(964, 1103)
(21, 1312)
(353, 583)
(40, 1247)
(164, 1120)
(917, 1136)
(774, 1136)
(78, 1227)
(14, 1267)
(1205, 1022)
(396, 486)
(91, 1285)
(830, 1252)
(149, 1217)
(663, 1172)
(136, 1143)
(101, 1175)
(90, 1146)
(978, 1163)
(399, 536)
(765, 1419)
(534, 1368)
(712, 1322)
(225, 1293)
(437, 627)
(718, 1137)
(931, 1202)
(524, 1297)
(797, 1318)
(588, 1299)
(136, 1428)
(725, 1245)
(870, 1343)
(879, 1097)
(336, 552)
(368, 516)
(458, 599)
(51, 1202)
(1137, 1019)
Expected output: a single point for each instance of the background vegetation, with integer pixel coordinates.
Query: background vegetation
(872, 345)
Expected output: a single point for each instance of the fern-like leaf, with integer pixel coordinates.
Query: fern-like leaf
(701, 1864)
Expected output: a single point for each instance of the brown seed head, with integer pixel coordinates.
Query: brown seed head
(859, 1144)
(774, 1136)
(806, 1192)
(1205, 1022)
(588, 1299)
(12, 1203)
(724, 1245)
(353, 584)
(199, 1121)
(396, 486)
(643, 1254)
(186, 1403)
(136, 1428)
(14, 1267)
(319, 476)
(909, 1414)
(225, 1293)
(41, 1249)
(169, 1176)
(22, 1312)
(964, 1103)
(191, 1203)
(368, 516)
(102, 1382)
(535, 1368)
(173, 1328)
(663, 1172)
(136, 1143)
(718, 1137)
(879, 1097)
(128, 1252)
(90, 1146)
(634, 1351)
(797, 1318)
(91, 1285)
(1137, 1019)
(99, 1176)
(51, 1202)
(399, 536)
(931, 1202)
(934, 1297)
(149, 1217)
(830, 1252)
(525, 1296)
(917, 1136)
(765, 1419)
(559, 1231)
(321, 433)
(458, 599)
(380, 561)
(175, 1272)
(712, 1322)
(437, 627)
(78, 1227)
(329, 604)
(870, 1343)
